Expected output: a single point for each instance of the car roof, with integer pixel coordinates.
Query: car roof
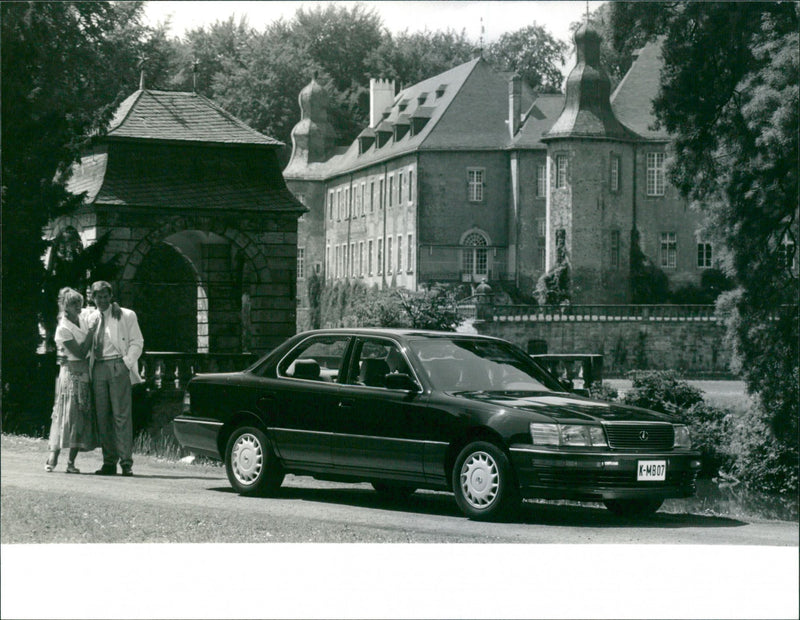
(396, 332)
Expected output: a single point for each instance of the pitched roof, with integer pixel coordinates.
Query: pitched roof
(181, 116)
(107, 180)
(632, 101)
(538, 120)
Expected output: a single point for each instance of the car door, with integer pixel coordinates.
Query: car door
(302, 399)
(378, 431)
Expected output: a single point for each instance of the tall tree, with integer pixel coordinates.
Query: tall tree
(534, 54)
(65, 67)
(729, 98)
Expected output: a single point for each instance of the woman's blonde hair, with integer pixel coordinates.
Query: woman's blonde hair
(67, 296)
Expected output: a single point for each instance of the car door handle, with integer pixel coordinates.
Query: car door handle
(346, 404)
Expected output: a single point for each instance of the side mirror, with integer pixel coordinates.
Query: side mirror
(401, 381)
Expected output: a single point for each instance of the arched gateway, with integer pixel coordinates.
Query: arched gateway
(199, 222)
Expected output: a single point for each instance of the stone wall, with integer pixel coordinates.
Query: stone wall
(694, 348)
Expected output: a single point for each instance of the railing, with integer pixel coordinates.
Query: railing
(667, 312)
(170, 369)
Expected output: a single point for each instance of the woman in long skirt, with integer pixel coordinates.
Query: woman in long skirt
(74, 426)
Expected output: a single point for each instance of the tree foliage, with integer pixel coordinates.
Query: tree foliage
(534, 54)
(729, 98)
(65, 67)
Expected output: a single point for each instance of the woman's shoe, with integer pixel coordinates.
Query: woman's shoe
(52, 461)
(71, 469)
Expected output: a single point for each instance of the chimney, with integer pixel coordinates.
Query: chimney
(514, 104)
(381, 96)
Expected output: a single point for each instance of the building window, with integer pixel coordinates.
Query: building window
(360, 258)
(336, 261)
(347, 260)
(541, 228)
(561, 171)
(614, 181)
(338, 204)
(655, 174)
(410, 261)
(475, 255)
(669, 250)
(363, 196)
(400, 188)
(389, 255)
(475, 182)
(705, 255)
(391, 190)
(330, 205)
(327, 262)
(541, 180)
(301, 263)
(540, 255)
(410, 186)
(372, 197)
(380, 256)
(615, 249)
(380, 194)
(787, 253)
(399, 253)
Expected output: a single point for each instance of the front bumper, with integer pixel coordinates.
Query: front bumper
(597, 476)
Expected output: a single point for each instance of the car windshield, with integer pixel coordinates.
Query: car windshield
(464, 365)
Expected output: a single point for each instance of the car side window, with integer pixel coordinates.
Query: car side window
(374, 360)
(319, 358)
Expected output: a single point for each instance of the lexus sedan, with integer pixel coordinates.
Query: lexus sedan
(411, 409)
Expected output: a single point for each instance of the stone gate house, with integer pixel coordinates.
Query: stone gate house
(199, 222)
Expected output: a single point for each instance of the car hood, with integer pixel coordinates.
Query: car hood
(563, 407)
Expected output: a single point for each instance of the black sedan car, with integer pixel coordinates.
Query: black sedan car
(411, 409)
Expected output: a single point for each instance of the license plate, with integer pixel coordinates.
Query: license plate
(651, 470)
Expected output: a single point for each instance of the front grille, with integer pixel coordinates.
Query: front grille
(605, 479)
(640, 436)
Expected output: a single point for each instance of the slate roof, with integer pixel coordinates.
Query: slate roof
(110, 183)
(632, 100)
(181, 116)
(537, 121)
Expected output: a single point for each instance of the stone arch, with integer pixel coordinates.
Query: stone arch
(228, 266)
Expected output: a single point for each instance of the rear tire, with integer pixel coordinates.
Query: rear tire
(250, 463)
(634, 508)
(393, 492)
(484, 484)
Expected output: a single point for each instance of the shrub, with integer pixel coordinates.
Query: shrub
(710, 429)
(602, 391)
(761, 461)
(661, 390)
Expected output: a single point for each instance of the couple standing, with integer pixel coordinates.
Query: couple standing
(99, 350)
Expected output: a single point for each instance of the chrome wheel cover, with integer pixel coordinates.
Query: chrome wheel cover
(247, 458)
(480, 480)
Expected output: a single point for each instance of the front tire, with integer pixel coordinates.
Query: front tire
(484, 484)
(634, 508)
(250, 463)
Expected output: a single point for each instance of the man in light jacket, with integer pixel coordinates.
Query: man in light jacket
(115, 369)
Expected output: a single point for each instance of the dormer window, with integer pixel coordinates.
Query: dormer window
(401, 126)
(422, 98)
(365, 140)
(383, 131)
(403, 105)
(420, 118)
(440, 90)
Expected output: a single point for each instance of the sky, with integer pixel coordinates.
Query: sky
(415, 15)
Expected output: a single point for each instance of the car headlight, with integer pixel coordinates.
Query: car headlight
(551, 434)
(683, 438)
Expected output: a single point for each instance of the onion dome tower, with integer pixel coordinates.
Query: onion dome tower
(313, 138)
